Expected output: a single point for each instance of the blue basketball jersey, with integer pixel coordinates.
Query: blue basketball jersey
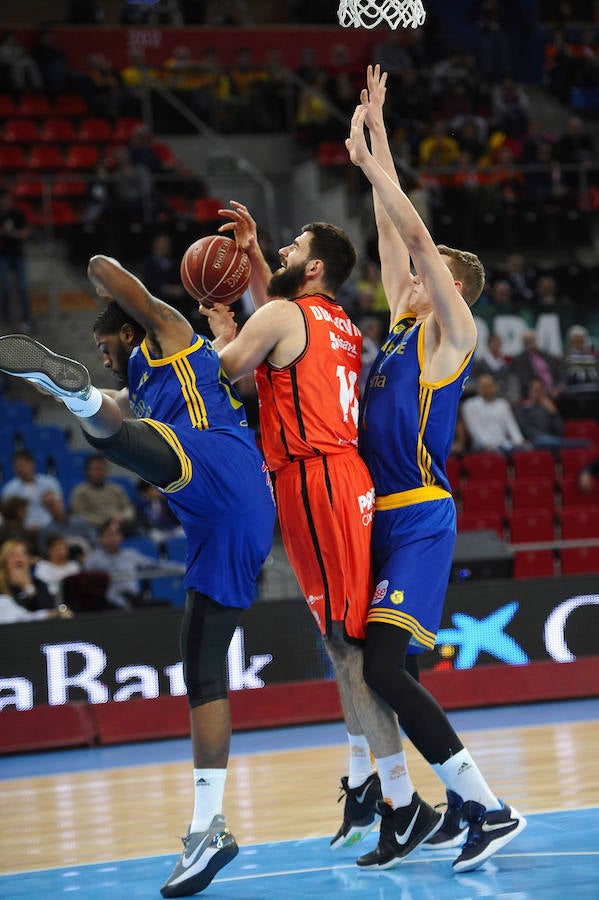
(223, 497)
(407, 424)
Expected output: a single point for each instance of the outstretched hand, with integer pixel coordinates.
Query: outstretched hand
(242, 225)
(373, 96)
(356, 142)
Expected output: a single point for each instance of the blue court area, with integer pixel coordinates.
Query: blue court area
(557, 856)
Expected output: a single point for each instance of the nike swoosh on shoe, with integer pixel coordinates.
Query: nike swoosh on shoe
(405, 837)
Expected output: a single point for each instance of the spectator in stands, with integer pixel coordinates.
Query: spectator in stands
(554, 314)
(540, 420)
(14, 513)
(370, 288)
(14, 231)
(162, 279)
(98, 499)
(438, 149)
(576, 145)
(510, 107)
(32, 486)
(535, 363)
(489, 420)
(509, 321)
(581, 363)
(154, 515)
(521, 278)
(137, 74)
(131, 192)
(491, 361)
(98, 195)
(18, 580)
(51, 62)
(103, 86)
(18, 71)
(587, 476)
(79, 534)
(372, 336)
(124, 565)
(55, 566)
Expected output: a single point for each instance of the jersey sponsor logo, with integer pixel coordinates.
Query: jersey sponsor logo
(341, 323)
(339, 343)
(348, 393)
(366, 504)
(380, 592)
(142, 380)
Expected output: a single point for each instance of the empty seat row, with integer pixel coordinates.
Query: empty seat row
(490, 466)
(63, 130)
(38, 105)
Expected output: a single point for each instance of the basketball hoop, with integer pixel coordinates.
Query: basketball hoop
(370, 13)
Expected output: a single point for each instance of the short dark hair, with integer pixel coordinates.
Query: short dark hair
(331, 244)
(23, 453)
(112, 319)
(94, 457)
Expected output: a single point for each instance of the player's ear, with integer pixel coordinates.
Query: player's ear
(127, 334)
(314, 267)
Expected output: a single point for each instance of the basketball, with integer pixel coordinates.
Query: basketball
(215, 270)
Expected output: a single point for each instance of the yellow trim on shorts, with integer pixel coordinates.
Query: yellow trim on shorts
(385, 616)
(407, 498)
(172, 440)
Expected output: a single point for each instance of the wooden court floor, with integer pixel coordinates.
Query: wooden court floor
(133, 803)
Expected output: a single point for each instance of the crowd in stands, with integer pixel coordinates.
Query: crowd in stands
(98, 543)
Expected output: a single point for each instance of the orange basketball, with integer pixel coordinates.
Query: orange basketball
(215, 270)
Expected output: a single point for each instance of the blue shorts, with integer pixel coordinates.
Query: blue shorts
(413, 553)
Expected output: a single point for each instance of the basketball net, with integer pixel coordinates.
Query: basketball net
(370, 13)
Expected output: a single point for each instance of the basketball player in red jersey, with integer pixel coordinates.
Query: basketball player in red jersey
(306, 354)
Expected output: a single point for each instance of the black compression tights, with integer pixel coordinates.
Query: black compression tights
(419, 714)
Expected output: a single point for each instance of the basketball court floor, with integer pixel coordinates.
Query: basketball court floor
(103, 823)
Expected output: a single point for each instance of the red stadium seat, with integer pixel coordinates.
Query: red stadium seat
(483, 496)
(46, 158)
(28, 189)
(573, 459)
(20, 131)
(485, 466)
(572, 496)
(454, 472)
(205, 209)
(534, 464)
(333, 153)
(58, 131)
(7, 106)
(95, 130)
(534, 564)
(583, 428)
(12, 158)
(532, 493)
(81, 157)
(34, 105)
(530, 525)
(65, 186)
(580, 560)
(68, 104)
(124, 128)
(580, 522)
(481, 521)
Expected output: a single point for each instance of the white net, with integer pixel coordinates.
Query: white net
(370, 13)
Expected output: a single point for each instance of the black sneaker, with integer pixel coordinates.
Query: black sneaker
(452, 832)
(488, 833)
(402, 830)
(360, 814)
(204, 854)
(24, 357)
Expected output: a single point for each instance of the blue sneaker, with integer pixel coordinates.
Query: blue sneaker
(488, 833)
(360, 812)
(452, 832)
(204, 854)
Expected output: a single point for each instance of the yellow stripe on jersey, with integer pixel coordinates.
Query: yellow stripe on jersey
(423, 457)
(193, 397)
(173, 441)
(407, 498)
(405, 621)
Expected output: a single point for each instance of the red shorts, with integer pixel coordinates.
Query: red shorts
(326, 506)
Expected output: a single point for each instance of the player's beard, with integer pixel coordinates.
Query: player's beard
(287, 282)
(121, 372)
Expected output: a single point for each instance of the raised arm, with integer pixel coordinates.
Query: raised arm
(394, 256)
(167, 330)
(450, 311)
(245, 232)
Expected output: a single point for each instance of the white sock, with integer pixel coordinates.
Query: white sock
(396, 784)
(461, 775)
(209, 787)
(360, 760)
(84, 408)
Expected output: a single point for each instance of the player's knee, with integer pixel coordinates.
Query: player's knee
(205, 688)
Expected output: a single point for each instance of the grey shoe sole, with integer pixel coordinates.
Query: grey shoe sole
(25, 357)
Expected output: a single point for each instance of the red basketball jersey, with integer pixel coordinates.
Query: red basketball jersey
(310, 408)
